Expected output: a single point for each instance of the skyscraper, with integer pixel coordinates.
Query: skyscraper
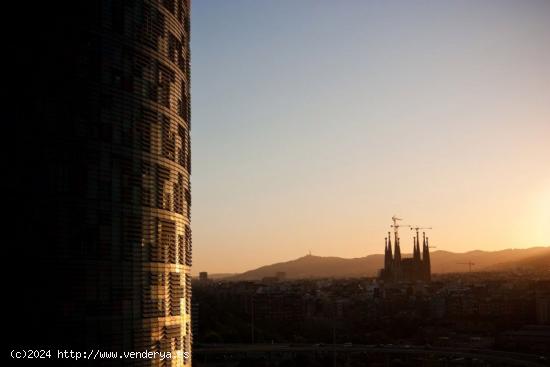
(99, 178)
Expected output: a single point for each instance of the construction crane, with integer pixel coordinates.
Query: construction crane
(417, 229)
(396, 226)
(469, 263)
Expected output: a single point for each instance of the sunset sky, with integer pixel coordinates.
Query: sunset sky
(316, 121)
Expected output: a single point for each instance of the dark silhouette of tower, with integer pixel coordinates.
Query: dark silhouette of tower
(397, 258)
(387, 254)
(390, 252)
(99, 240)
(416, 252)
(426, 258)
(407, 269)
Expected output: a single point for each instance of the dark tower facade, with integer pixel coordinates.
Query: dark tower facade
(99, 184)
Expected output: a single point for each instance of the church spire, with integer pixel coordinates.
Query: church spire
(426, 257)
(387, 259)
(416, 250)
(397, 251)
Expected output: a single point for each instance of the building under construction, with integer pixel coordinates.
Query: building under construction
(416, 268)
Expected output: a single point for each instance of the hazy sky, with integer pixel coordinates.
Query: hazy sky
(315, 121)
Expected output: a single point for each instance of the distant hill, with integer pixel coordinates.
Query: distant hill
(539, 262)
(446, 262)
(442, 262)
(317, 267)
(217, 275)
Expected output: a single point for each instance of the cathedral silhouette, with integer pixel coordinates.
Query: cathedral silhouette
(417, 268)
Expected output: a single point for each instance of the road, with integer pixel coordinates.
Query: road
(518, 359)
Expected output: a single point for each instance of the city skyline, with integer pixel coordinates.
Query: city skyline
(331, 119)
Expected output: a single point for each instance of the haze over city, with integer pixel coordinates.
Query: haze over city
(330, 119)
(278, 183)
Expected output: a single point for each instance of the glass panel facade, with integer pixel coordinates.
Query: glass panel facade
(100, 196)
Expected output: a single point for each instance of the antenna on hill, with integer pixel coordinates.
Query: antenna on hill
(309, 253)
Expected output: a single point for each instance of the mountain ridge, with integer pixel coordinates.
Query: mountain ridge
(311, 266)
